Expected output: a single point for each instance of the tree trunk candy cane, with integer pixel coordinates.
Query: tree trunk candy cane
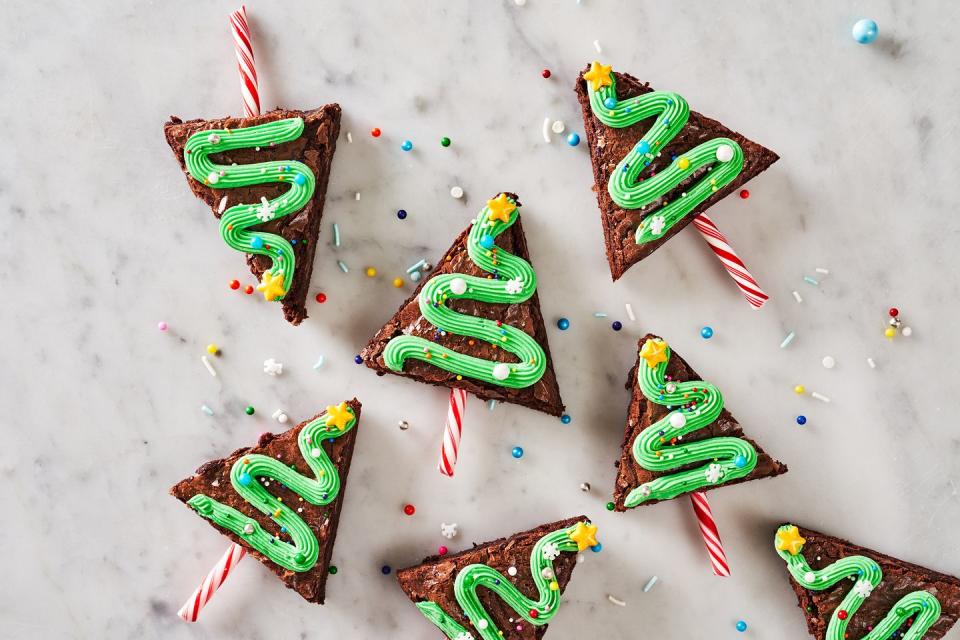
(731, 261)
(711, 536)
(251, 107)
(452, 431)
(191, 608)
(245, 63)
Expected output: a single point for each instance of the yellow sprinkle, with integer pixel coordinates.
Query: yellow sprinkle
(276, 514)
(371, 272)
(554, 586)
(683, 163)
(398, 282)
(212, 349)
(799, 389)
(459, 377)
(890, 332)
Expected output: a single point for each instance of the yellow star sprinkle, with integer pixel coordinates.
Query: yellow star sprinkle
(654, 352)
(271, 285)
(598, 76)
(501, 208)
(338, 416)
(789, 540)
(585, 535)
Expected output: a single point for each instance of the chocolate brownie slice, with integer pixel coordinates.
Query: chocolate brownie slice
(609, 145)
(433, 579)
(544, 395)
(314, 148)
(899, 579)
(644, 413)
(213, 480)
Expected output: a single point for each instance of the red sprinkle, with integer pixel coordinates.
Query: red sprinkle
(745, 194)
(375, 132)
(894, 312)
(321, 297)
(442, 550)
(409, 509)
(248, 289)
(546, 73)
(534, 614)
(234, 284)
(842, 614)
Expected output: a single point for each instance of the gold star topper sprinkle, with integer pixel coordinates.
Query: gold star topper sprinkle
(599, 75)
(585, 535)
(338, 416)
(271, 285)
(789, 540)
(654, 352)
(501, 208)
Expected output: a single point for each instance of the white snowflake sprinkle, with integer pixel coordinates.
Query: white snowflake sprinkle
(714, 473)
(550, 551)
(657, 223)
(448, 531)
(266, 210)
(272, 368)
(863, 588)
(514, 286)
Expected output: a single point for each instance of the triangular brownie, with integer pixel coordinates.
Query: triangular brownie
(868, 595)
(542, 393)
(609, 145)
(305, 468)
(674, 376)
(297, 223)
(458, 596)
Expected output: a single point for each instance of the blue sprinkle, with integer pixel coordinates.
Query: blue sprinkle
(740, 462)
(385, 569)
(865, 31)
(402, 214)
(358, 359)
(573, 139)
(256, 242)
(283, 529)
(643, 147)
(407, 145)
(741, 626)
(617, 325)
(706, 333)
(563, 324)
(565, 418)
(245, 479)
(517, 452)
(610, 102)
(597, 548)
(486, 241)
(801, 420)
(300, 179)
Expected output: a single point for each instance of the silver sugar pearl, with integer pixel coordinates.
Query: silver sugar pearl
(404, 425)
(584, 486)
(548, 573)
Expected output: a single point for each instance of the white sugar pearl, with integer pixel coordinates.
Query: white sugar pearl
(213, 138)
(810, 576)
(501, 371)
(548, 573)
(906, 332)
(316, 452)
(670, 387)
(678, 420)
(512, 571)
(213, 178)
(829, 362)
(724, 153)
(456, 192)
(248, 529)
(481, 624)
(558, 126)
(458, 286)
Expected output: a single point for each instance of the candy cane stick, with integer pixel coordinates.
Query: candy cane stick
(734, 265)
(191, 608)
(452, 431)
(243, 46)
(711, 536)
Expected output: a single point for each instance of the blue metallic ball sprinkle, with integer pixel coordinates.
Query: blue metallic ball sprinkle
(741, 626)
(385, 569)
(801, 420)
(706, 333)
(597, 548)
(517, 452)
(740, 462)
(256, 242)
(610, 102)
(865, 31)
(402, 214)
(486, 241)
(245, 479)
(617, 325)
(406, 145)
(573, 139)
(643, 147)
(565, 418)
(358, 359)
(300, 179)
(563, 324)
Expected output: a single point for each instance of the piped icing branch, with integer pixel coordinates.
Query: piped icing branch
(920, 606)
(537, 612)
(302, 551)
(237, 221)
(694, 405)
(512, 281)
(719, 160)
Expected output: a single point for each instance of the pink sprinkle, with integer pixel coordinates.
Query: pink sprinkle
(162, 326)
(442, 550)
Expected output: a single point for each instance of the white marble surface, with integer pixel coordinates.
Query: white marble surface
(102, 239)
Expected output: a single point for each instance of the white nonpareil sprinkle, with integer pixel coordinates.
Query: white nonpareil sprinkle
(223, 205)
(616, 601)
(349, 137)
(456, 192)
(796, 296)
(358, 196)
(652, 581)
(820, 397)
(822, 270)
(788, 340)
(558, 126)
(828, 362)
(512, 571)
(207, 410)
(319, 363)
(599, 314)
(206, 363)
(873, 365)
(629, 309)
(596, 45)
(546, 129)
(491, 404)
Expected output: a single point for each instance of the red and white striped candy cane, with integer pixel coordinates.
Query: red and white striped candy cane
(243, 46)
(191, 608)
(734, 265)
(711, 536)
(452, 431)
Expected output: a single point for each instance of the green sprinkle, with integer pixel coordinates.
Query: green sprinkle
(333, 569)
(810, 280)
(343, 267)
(250, 410)
(610, 506)
(444, 141)
(336, 234)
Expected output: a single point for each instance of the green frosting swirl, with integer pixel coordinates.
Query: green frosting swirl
(236, 222)
(922, 606)
(625, 186)
(513, 282)
(472, 577)
(302, 552)
(660, 447)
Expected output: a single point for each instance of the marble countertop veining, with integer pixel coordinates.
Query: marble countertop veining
(102, 239)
